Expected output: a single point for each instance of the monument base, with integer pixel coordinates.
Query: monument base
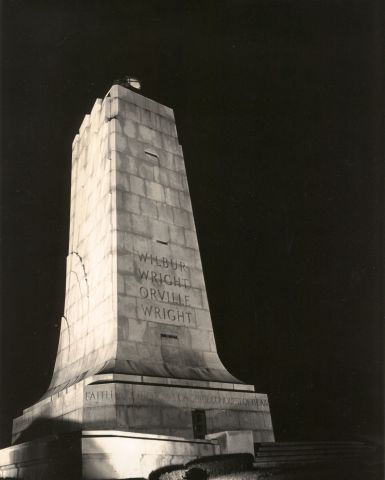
(150, 405)
(108, 454)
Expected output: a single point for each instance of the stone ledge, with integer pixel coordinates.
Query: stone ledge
(152, 436)
(116, 377)
(117, 91)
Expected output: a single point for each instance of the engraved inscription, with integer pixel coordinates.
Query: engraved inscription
(164, 289)
(99, 395)
(201, 399)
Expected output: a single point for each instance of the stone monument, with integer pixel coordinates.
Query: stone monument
(137, 360)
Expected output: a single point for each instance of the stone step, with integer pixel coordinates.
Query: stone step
(312, 443)
(297, 458)
(294, 451)
(269, 465)
(280, 453)
(312, 452)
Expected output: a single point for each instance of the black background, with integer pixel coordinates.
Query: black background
(278, 106)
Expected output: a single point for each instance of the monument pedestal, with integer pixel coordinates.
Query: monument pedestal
(153, 405)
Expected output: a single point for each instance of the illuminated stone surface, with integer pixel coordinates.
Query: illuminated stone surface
(137, 351)
(235, 441)
(136, 301)
(99, 455)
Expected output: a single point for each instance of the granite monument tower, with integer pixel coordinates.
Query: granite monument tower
(137, 353)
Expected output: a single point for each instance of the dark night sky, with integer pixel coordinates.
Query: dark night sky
(279, 110)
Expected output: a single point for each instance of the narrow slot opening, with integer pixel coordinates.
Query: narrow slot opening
(167, 335)
(151, 157)
(162, 242)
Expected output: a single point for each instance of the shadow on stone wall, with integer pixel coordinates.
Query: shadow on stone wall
(56, 443)
(43, 427)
